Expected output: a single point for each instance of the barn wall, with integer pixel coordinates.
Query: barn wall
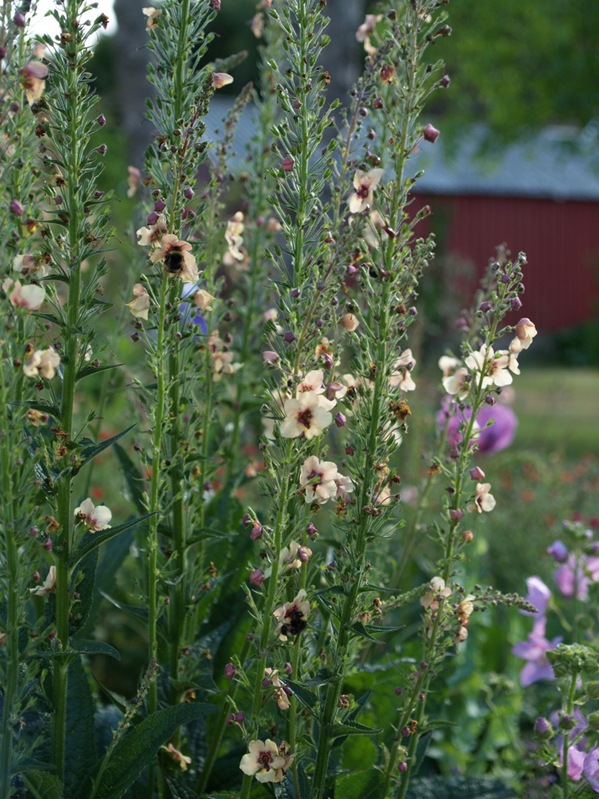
(560, 239)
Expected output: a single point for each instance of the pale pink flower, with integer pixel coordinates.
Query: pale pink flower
(313, 381)
(133, 180)
(308, 415)
(483, 499)
(141, 304)
(292, 616)
(318, 478)
(493, 366)
(525, 332)
(32, 80)
(220, 79)
(364, 184)
(177, 256)
(448, 365)
(437, 591)
(96, 518)
(281, 696)
(203, 300)
(28, 264)
(48, 585)
(344, 485)
(263, 761)
(42, 363)
(29, 297)
(350, 322)
(401, 376)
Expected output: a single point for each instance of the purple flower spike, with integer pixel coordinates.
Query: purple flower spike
(538, 595)
(590, 768)
(534, 651)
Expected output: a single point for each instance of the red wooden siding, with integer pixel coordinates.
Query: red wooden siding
(560, 239)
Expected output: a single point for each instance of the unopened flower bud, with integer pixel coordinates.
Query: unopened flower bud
(403, 766)
(311, 530)
(567, 722)
(19, 20)
(188, 193)
(215, 5)
(287, 164)
(288, 668)
(220, 79)
(516, 304)
(445, 81)
(456, 514)
(159, 205)
(558, 551)
(430, 133)
(490, 400)
(239, 716)
(485, 306)
(477, 474)
(152, 218)
(289, 337)
(247, 519)
(349, 322)
(16, 208)
(48, 545)
(230, 671)
(270, 357)
(340, 420)
(256, 531)
(467, 536)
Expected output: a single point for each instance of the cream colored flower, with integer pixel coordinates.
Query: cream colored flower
(236, 254)
(281, 696)
(133, 180)
(293, 556)
(222, 359)
(401, 376)
(29, 297)
(308, 415)
(203, 300)
(153, 15)
(350, 322)
(438, 591)
(525, 332)
(183, 760)
(263, 761)
(178, 258)
(313, 381)
(28, 265)
(48, 585)
(483, 500)
(96, 518)
(493, 366)
(147, 236)
(141, 304)
(458, 383)
(318, 478)
(42, 363)
(366, 29)
(292, 616)
(364, 184)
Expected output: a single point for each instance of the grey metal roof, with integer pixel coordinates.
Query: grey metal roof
(560, 163)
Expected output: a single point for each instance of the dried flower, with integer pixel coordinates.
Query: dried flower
(33, 76)
(430, 133)
(203, 300)
(42, 363)
(275, 680)
(153, 15)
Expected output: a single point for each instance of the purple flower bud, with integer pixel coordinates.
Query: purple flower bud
(16, 208)
(230, 719)
(215, 5)
(188, 193)
(152, 218)
(430, 133)
(477, 474)
(462, 324)
(543, 728)
(269, 356)
(445, 81)
(247, 519)
(490, 400)
(567, 722)
(558, 551)
(19, 20)
(456, 514)
(239, 717)
(340, 420)
(485, 306)
(256, 532)
(412, 311)
(48, 545)
(2, 52)
(159, 205)
(101, 120)
(266, 683)
(398, 691)
(403, 766)
(289, 337)
(230, 671)
(287, 164)
(295, 293)
(405, 731)
(303, 555)
(257, 578)
(311, 530)
(102, 149)
(288, 668)
(516, 304)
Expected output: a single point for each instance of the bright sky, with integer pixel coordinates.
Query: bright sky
(43, 24)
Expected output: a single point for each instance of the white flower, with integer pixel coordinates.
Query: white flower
(319, 479)
(458, 383)
(28, 264)
(96, 518)
(438, 590)
(151, 235)
(483, 500)
(493, 366)
(308, 415)
(448, 365)
(364, 184)
(141, 304)
(42, 363)
(313, 381)
(401, 376)
(525, 332)
(263, 762)
(292, 616)
(48, 585)
(153, 15)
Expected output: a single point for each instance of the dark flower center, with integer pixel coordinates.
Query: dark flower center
(305, 417)
(265, 759)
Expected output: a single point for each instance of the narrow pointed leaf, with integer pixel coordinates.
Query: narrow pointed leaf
(80, 749)
(134, 481)
(43, 785)
(88, 371)
(91, 541)
(90, 449)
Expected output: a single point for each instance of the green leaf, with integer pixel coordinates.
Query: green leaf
(91, 541)
(307, 698)
(80, 751)
(83, 647)
(43, 785)
(89, 371)
(82, 583)
(137, 748)
(89, 449)
(352, 728)
(134, 481)
(361, 785)
(42, 407)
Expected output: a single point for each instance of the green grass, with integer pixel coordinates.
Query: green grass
(558, 410)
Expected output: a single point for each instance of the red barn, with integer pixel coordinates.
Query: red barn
(541, 197)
